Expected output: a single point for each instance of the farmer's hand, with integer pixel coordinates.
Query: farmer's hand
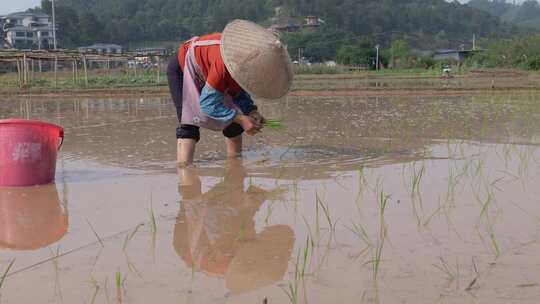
(248, 123)
(258, 117)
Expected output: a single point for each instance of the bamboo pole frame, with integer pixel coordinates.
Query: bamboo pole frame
(25, 60)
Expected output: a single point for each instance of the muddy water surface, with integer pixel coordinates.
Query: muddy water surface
(364, 200)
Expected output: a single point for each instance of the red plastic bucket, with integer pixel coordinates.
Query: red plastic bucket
(28, 151)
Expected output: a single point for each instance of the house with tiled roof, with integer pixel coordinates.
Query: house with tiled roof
(27, 30)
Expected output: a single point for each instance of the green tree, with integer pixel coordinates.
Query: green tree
(46, 6)
(67, 21)
(126, 21)
(90, 28)
(400, 53)
(361, 54)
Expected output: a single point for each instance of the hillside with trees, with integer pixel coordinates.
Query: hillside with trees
(525, 15)
(422, 23)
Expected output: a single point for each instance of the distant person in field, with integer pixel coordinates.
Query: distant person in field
(212, 79)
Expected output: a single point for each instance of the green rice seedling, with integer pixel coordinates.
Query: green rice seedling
(292, 288)
(471, 284)
(362, 185)
(153, 223)
(486, 203)
(494, 183)
(153, 228)
(523, 166)
(494, 243)
(54, 260)
(6, 272)
(377, 257)
(131, 266)
(383, 202)
(96, 234)
(241, 233)
(296, 192)
(302, 261)
(129, 236)
(275, 125)
(306, 257)
(478, 169)
(317, 223)
(93, 282)
(450, 223)
(466, 168)
(507, 154)
(416, 179)
(451, 186)
(527, 285)
(415, 195)
(451, 274)
(361, 233)
(432, 215)
(120, 286)
(326, 211)
(416, 202)
(292, 293)
(377, 252)
(269, 211)
(314, 241)
(322, 258)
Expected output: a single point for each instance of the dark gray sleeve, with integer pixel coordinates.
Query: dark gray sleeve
(175, 78)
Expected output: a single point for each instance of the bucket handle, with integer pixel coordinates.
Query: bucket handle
(61, 135)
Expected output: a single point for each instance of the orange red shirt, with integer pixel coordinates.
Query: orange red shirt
(212, 66)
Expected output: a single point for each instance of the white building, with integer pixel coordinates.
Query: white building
(2, 34)
(26, 30)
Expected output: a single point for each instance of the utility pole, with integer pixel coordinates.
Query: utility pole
(54, 25)
(54, 45)
(392, 54)
(377, 60)
(39, 48)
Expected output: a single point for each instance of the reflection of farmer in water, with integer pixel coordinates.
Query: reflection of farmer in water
(215, 232)
(212, 78)
(31, 217)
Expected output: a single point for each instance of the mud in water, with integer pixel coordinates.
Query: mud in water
(412, 199)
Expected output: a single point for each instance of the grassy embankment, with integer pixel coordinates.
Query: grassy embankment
(65, 82)
(314, 78)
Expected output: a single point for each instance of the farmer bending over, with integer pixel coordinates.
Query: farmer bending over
(213, 77)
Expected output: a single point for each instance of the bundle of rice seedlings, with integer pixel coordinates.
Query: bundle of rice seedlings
(275, 125)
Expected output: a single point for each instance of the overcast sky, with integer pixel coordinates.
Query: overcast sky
(10, 6)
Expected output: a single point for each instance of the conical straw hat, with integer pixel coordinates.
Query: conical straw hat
(256, 59)
(261, 261)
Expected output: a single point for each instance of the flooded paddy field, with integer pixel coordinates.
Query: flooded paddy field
(360, 200)
(469, 80)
